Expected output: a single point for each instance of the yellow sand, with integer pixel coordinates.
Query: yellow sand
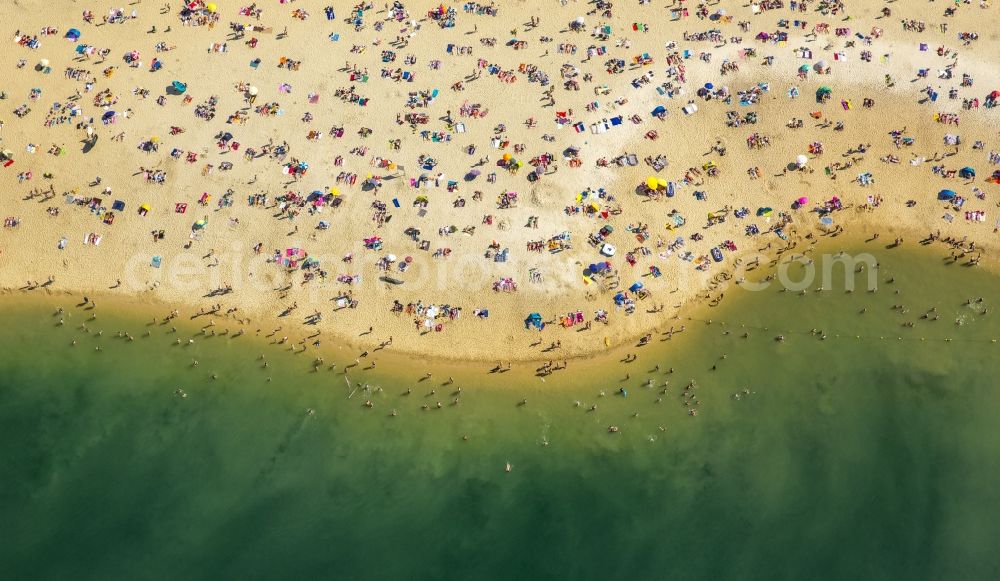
(262, 291)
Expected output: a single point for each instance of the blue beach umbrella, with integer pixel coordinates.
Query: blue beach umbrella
(72, 34)
(179, 86)
(946, 195)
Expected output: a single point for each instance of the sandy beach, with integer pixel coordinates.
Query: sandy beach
(443, 180)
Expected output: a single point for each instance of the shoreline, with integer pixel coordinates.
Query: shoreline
(195, 255)
(698, 310)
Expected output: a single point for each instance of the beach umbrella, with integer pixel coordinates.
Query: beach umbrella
(709, 86)
(108, 115)
(967, 172)
(801, 160)
(802, 201)
(764, 212)
(635, 286)
(200, 224)
(211, 7)
(819, 66)
(179, 86)
(661, 183)
(72, 34)
(252, 91)
(946, 195)
(804, 69)
(651, 182)
(43, 63)
(391, 258)
(659, 110)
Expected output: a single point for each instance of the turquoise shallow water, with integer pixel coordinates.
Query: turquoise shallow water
(862, 458)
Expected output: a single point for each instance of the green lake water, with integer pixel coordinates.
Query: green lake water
(850, 458)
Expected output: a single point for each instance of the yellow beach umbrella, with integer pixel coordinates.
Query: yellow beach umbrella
(662, 183)
(651, 183)
(211, 7)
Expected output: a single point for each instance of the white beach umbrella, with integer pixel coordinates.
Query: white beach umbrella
(252, 90)
(801, 160)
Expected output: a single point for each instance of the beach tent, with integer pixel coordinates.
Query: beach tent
(635, 287)
(946, 195)
(534, 320)
(72, 34)
(179, 86)
(967, 173)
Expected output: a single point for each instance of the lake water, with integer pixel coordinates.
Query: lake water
(871, 454)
